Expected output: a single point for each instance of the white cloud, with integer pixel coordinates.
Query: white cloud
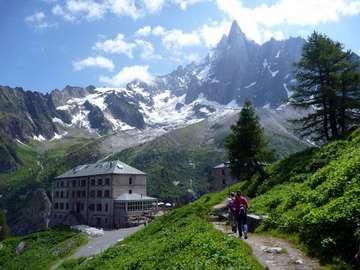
(144, 31)
(90, 9)
(158, 30)
(57, 10)
(147, 50)
(38, 21)
(184, 4)
(154, 6)
(97, 9)
(257, 21)
(99, 62)
(176, 38)
(128, 74)
(117, 45)
(124, 8)
(193, 57)
(211, 34)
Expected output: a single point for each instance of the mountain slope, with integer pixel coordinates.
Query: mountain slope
(181, 239)
(179, 163)
(315, 195)
(41, 251)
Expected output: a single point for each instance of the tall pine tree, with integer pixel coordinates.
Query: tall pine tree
(246, 144)
(326, 86)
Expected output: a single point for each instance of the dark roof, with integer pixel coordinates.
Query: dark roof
(134, 197)
(100, 168)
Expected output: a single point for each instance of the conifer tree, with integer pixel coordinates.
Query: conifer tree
(327, 85)
(246, 144)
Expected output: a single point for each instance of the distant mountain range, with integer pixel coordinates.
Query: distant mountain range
(236, 70)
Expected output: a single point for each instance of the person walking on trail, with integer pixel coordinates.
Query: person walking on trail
(241, 206)
(231, 210)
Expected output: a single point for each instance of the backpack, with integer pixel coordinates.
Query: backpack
(242, 209)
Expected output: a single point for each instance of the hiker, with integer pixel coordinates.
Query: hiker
(241, 206)
(231, 208)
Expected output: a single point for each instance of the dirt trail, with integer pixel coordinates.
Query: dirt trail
(273, 253)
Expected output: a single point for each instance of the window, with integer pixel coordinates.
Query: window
(106, 207)
(93, 182)
(74, 183)
(92, 193)
(107, 193)
(61, 206)
(121, 206)
(134, 206)
(223, 172)
(73, 194)
(99, 193)
(56, 205)
(67, 194)
(68, 183)
(107, 181)
(84, 193)
(99, 182)
(99, 207)
(62, 194)
(130, 181)
(83, 183)
(224, 182)
(62, 184)
(81, 207)
(78, 193)
(67, 206)
(130, 191)
(92, 207)
(57, 194)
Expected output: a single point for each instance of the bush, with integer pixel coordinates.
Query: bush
(316, 197)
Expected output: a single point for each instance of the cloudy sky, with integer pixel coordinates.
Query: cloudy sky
(47, 44)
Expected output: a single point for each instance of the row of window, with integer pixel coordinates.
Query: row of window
(136, 206)
(99, 207)
(82, 194)
(82, 182)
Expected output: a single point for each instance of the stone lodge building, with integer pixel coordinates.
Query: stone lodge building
(222, 176)
(108, 194)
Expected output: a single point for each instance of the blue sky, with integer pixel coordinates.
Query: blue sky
(48, 44)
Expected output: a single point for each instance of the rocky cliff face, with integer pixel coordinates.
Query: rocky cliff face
(30, 213)
(239, 69)
(26, 114)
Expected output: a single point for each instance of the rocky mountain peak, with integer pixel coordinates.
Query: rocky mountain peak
(235, 33)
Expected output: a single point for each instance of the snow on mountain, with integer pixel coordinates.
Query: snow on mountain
(160, 110)
(236, 70)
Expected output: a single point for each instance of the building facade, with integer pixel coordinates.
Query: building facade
(102, 195)
(222, 176)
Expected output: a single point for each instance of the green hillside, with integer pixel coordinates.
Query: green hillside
(179, 163)
(41, 251)
(181, 239)
(314, 195)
